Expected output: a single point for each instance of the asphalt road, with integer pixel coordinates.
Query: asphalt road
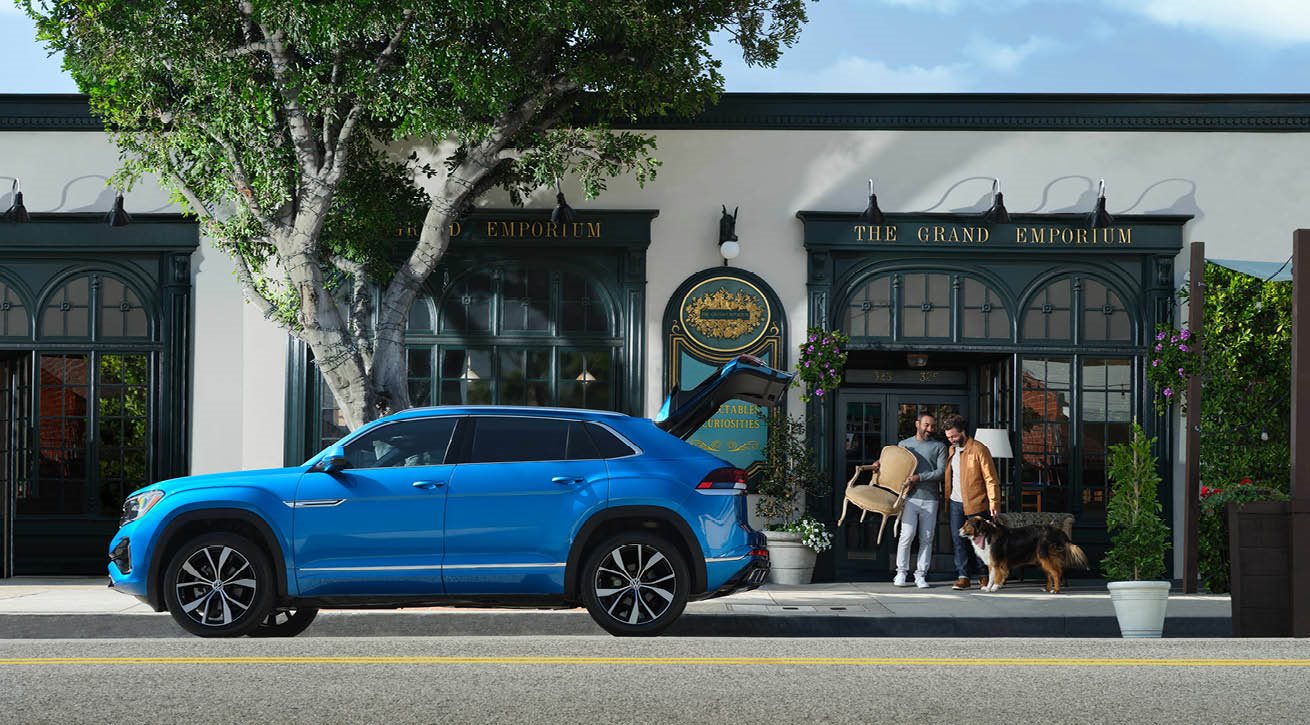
(604, 679)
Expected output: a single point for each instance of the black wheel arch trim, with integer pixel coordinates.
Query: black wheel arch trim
(696, 563)
(154, 590)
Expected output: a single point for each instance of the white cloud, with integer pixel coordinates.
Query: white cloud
(1276, 22)
(996, 56)
(849, 74)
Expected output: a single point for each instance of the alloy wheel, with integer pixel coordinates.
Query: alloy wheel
(216, 586)
(635, 584)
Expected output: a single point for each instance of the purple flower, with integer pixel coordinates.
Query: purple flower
(827, 341)
(1185, 334)
(1182, 373)
(1158, 336)
(807, 363)
(1184, 348)
(1173, 338)
(815, 337)
(1168, 392)
(1155, 363)
(818, 392)
(809, 349)
(1157, 347)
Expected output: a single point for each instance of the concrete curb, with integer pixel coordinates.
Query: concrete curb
(528, 623)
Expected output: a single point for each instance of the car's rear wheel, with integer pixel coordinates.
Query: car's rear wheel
(635, 584)
(285, 622)
(219, 584)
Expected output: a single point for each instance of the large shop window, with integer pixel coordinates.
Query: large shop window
(506, 335)
(928, 306)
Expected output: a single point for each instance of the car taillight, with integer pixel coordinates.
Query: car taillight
(724, 478)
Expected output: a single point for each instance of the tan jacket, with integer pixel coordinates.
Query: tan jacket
(978, 485)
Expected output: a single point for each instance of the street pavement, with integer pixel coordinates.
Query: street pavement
(667, 679)
(70, 608)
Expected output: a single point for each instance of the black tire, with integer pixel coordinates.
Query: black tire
(285, 622)
(245, 594)
(657, 591)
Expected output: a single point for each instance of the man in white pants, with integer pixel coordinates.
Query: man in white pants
(920, 515)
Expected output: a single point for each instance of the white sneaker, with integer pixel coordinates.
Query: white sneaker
(921, 581)
(899, 581)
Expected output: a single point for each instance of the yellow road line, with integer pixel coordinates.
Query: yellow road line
(656, 661)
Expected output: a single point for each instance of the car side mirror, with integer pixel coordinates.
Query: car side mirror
(332, 461)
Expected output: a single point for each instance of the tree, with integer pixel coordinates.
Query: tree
(275, 123)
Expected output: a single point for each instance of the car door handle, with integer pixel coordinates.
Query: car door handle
(565, 480)
(428, 484)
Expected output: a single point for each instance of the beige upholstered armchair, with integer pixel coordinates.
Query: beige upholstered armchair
(886, 491)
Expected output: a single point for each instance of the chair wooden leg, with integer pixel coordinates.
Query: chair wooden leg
(844, 505)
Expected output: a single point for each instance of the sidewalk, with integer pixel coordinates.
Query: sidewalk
(36, 607)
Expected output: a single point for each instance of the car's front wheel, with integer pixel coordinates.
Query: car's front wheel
(635, 584)
(219, 584)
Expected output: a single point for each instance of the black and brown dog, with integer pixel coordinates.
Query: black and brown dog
(1002, 549)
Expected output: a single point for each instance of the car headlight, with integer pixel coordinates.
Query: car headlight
(136, 506)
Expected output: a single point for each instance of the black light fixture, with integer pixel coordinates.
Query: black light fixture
(118, 216)
(728, 246)
(997, 214)
(1100, 218)
(17, 212)
(563, 213)
(872, 214)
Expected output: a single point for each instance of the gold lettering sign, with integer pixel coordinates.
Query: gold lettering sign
(519, 229)
(1035, 236)
(1069, 237)
(724, 315)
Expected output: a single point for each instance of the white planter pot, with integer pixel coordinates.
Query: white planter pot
(790, 561)
(1139, 607)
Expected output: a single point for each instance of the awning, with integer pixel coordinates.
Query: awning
(1268, 271)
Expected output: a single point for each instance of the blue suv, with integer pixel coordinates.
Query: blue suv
(460, 505)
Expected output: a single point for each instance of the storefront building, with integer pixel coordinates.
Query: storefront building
(129, 355)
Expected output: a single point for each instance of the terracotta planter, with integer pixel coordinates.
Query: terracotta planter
(1140, 608)
(790, 561)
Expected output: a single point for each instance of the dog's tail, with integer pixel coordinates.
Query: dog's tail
(1074, 556)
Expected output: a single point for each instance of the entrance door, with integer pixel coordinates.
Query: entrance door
(867, 422)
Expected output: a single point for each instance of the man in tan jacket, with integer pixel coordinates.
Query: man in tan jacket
(971, 490)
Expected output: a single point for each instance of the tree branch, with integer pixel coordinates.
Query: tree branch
(241, 180)
(301, 135)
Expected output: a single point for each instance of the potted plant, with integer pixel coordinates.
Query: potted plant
(789, 473)
(1139, 539)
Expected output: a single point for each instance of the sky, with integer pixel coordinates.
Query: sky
(960, 46)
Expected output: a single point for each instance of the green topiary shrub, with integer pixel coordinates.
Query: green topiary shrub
(1139, 538)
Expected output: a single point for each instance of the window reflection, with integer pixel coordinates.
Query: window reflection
(1044, 475)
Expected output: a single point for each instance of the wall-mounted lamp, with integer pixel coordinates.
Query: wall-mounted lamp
(1100, 218)
(17, 212)
(728, 246)
(118, 216)
(563, 213)
(916, 359)
(997, 214)
(585, 377)
(872, 214)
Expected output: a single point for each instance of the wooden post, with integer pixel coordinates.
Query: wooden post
(1192, 436)
(1299, 561)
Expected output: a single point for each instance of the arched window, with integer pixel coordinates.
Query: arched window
(119, 313)
(1104, 315)
(13, 313)
(927, 305)
(1101, 314)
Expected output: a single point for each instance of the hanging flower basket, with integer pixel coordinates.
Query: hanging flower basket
(822, 362)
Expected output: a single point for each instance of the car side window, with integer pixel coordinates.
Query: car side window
(403, 444)
(607, 443)
(581, 447)
(506, 440)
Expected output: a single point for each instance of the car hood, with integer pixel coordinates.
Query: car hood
(230, 478)
(744, 378)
